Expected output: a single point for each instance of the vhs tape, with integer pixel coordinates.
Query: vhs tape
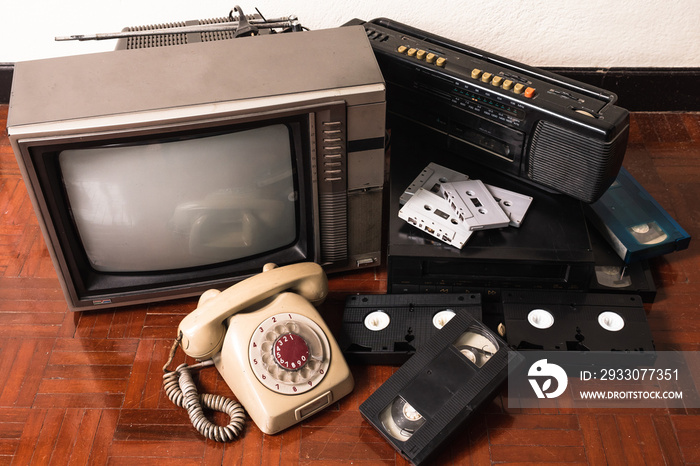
(613, 275)
(389, 329)
(428, 398)
(577, 321)
(634, 223)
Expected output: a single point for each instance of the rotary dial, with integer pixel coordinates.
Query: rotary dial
(289, 353)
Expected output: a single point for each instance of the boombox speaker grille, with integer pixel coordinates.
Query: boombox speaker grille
(573, 164)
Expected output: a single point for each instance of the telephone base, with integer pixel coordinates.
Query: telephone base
(279, 380)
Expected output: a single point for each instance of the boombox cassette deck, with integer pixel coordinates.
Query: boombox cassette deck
(557, 133)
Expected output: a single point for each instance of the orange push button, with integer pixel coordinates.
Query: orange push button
(529, 92)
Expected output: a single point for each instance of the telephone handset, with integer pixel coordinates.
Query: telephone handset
(203, 329)
(271, 345)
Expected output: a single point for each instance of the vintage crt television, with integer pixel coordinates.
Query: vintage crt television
(162, 172)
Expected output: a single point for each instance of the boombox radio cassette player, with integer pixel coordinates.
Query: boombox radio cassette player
(557, 133)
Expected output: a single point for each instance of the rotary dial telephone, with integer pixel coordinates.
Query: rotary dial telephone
(270, 345)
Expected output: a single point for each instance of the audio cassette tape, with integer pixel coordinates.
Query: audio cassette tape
(577, 321)
(474, 205)
(389, 329)
(514, 205)
(432, 177)
(427, 399)
(431, 213)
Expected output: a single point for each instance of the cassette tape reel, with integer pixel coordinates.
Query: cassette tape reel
(419, 407)
(389, 329)
(576, 321)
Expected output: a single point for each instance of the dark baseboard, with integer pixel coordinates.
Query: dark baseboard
(644, 89)
(637, 89)
(5, 82)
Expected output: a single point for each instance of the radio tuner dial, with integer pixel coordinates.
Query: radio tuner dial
(289, 353)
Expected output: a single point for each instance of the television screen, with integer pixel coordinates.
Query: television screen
(183, 203)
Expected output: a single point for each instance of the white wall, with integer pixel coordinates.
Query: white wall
(579, 33)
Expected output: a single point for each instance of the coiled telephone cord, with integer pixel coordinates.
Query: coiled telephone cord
(182, 391)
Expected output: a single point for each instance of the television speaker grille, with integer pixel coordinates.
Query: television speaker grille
(333, 223)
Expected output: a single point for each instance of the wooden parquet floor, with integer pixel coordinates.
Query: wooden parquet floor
(85, 388)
